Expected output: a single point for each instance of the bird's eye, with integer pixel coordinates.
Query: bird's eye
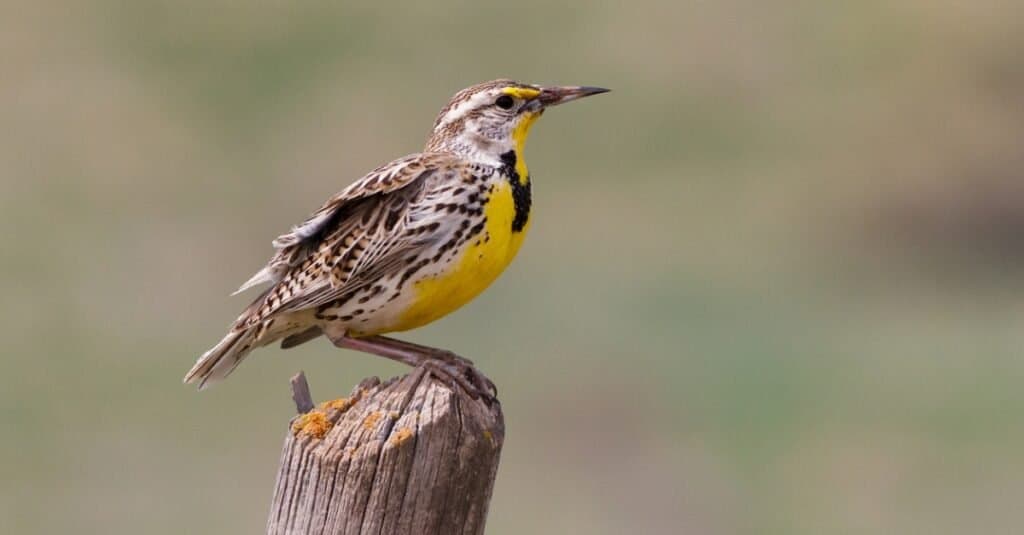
(505, 102)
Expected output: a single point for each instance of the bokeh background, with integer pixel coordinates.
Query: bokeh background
(774, 282)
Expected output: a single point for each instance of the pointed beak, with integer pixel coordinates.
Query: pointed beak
(553, 96)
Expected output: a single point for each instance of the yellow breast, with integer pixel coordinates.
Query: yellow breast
(479, 264)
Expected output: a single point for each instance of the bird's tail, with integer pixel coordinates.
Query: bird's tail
(223, 358)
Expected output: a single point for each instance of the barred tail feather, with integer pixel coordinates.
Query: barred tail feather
(221, 359)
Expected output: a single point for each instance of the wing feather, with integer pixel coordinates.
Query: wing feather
(384, 179)
(356, 231)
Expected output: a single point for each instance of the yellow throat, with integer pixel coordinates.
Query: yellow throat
(519, 135)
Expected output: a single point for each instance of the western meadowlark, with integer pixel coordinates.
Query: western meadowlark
(406, 244)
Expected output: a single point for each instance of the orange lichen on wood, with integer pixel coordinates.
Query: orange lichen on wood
(340, 404)
(313, 423)
(400, 436)
(371, 420)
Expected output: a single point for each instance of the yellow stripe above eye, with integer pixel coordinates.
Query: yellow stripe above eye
(525, 93)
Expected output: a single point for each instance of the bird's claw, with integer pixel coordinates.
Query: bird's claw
(461, 372)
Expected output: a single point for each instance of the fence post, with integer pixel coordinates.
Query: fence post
(409, 455)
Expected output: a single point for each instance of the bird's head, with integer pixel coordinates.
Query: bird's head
(489, 119)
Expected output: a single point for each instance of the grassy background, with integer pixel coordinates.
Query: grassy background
(773, 283)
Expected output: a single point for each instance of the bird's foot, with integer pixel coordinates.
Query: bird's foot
(461, 372)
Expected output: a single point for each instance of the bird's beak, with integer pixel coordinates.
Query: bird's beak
(553, 96)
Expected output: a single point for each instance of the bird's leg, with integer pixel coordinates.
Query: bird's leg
(444, 364)
(449, 357)
(442, 354)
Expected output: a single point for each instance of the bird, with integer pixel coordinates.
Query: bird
(406, 244)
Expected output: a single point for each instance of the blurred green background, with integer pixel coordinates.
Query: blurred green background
(773, 285)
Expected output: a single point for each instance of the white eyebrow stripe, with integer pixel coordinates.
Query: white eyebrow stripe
(465, 107)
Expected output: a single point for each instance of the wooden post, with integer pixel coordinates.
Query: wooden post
(409, 455)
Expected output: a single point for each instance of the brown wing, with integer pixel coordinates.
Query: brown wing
(353, 232)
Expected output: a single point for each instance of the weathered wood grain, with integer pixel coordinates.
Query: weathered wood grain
(406, 456)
